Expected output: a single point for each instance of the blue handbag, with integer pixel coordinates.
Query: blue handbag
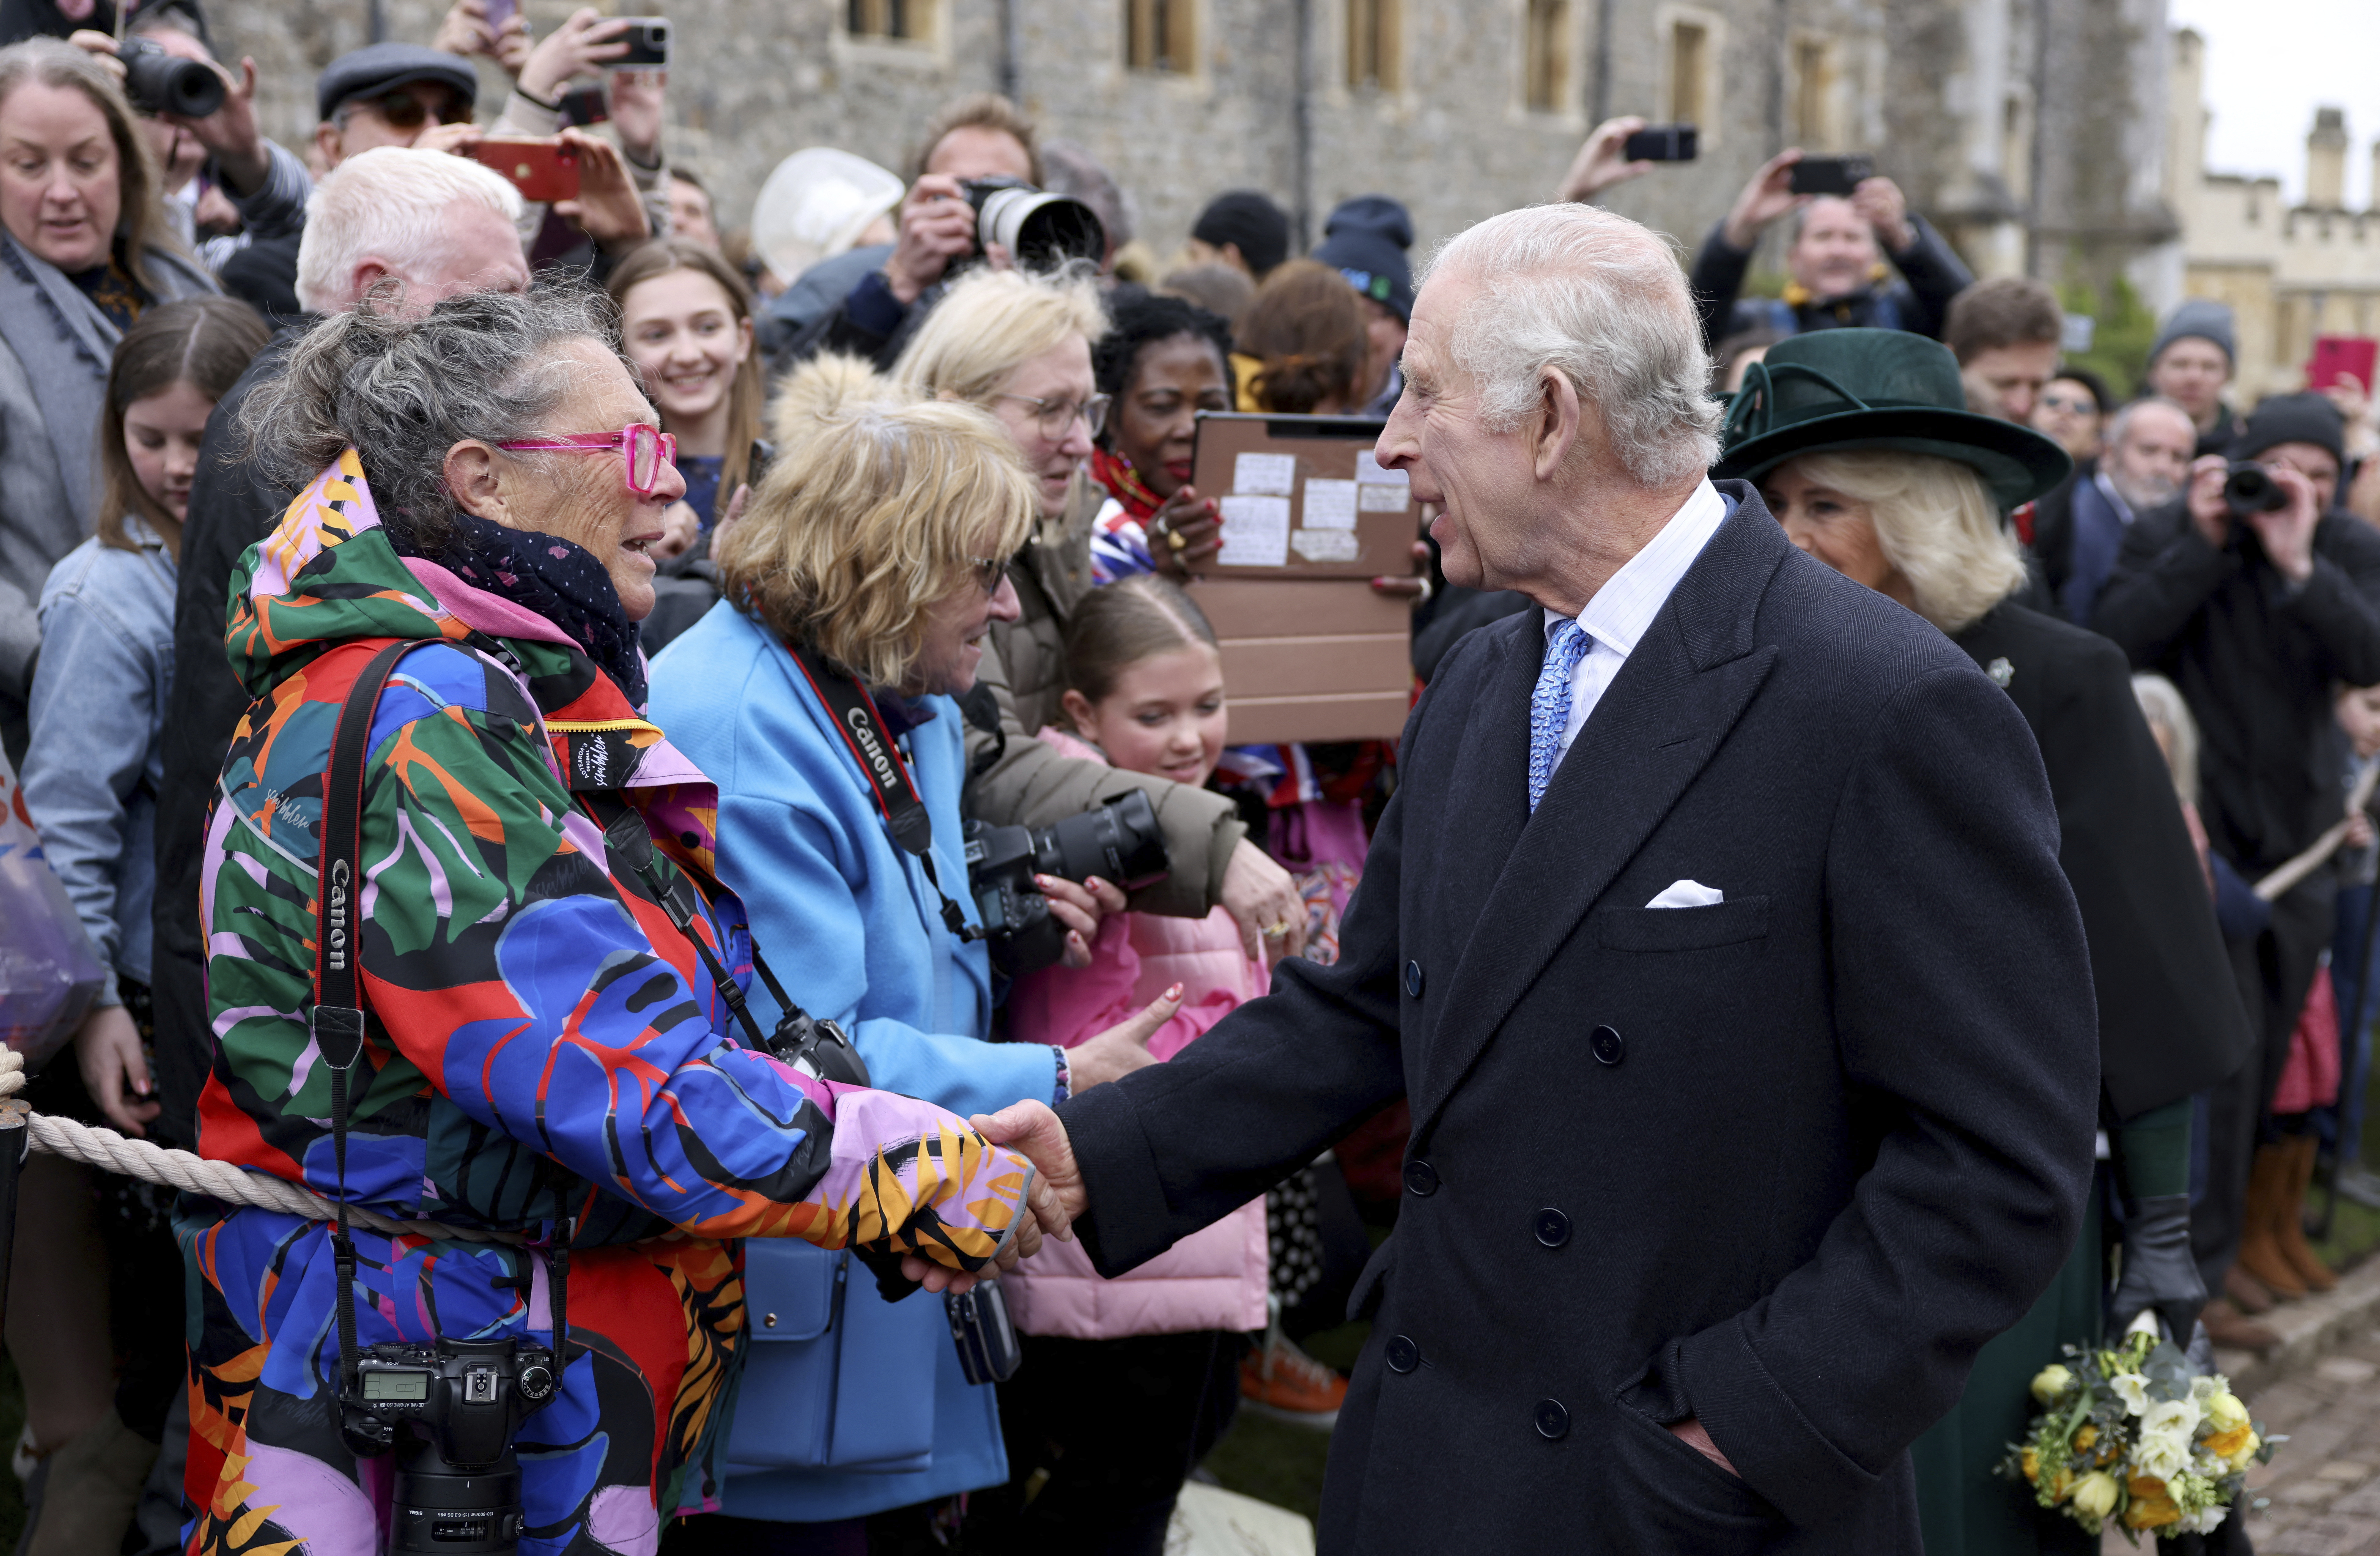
(836, 1378)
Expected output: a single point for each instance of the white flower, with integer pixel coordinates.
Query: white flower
(2178, 1416)
(2164, 1455)
(2205, 1386)
(2133, 1390)
(2203, 1521)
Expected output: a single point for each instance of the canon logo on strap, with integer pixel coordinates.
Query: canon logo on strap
(335, 918)
(862, 729)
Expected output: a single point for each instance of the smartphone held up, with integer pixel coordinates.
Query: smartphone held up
(541, 168)
(1831, 175)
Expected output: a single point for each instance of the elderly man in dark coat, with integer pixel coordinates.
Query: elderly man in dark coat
(1716, 935)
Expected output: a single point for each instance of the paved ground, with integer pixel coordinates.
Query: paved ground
(2324, 1484)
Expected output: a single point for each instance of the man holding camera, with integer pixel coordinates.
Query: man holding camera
(2255, 597)
(1837, 261)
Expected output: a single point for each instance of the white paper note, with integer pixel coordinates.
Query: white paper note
(1272, 475)
(1368, 470)
(1384, 499)
(1329, 505)
(1255, 530)
(1324, 545)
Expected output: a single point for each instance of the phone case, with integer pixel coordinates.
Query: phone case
(980, 1327)
(541, 170)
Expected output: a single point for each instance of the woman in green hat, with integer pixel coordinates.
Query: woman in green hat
(1860, 444)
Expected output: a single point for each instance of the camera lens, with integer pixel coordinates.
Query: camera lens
(2251, 488)
(1120, 841)
(158, 82)
(1040, 230)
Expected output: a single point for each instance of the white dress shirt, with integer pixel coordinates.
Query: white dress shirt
(1629, 599)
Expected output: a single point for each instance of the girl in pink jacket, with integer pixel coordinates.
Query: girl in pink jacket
(1127, 1383)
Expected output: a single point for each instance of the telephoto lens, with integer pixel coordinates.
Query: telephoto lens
(2249, 489)
(1040, 230)
(1119, 841)
(158, 82)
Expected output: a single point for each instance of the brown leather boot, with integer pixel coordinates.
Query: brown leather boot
(2260, 1248)
(2247, 1293)
(2227, 1327)
(2289, 1219)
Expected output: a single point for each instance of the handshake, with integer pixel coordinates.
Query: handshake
(1032, 1130)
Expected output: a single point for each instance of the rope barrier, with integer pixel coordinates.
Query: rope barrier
(111, 1152)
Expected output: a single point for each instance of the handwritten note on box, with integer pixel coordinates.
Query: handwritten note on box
(1329, 505)
(1368, 471)
(1326, 545)
(1255, 528)
(1273, 475)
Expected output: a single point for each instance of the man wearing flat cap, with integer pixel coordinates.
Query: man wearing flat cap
(2256, 618)
(1716, 935)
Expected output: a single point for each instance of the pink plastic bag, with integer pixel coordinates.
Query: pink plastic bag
(49, 974)
(2311, 1078)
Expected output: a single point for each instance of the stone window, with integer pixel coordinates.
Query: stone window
(885, 19)
(1160, 35)
(1546, 55)
(1374, 43)
(1811, 100)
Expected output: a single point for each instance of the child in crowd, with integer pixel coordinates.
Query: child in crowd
(1127, 1383)
(101, 691)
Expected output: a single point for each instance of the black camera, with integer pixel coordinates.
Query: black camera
(2249, 489)
(1040, 230)
(449, 1410)
(158, 82)
(1118, 841)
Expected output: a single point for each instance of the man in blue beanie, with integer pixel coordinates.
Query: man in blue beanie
(1365, 241)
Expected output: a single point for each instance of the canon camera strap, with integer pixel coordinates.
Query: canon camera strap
(862, 728)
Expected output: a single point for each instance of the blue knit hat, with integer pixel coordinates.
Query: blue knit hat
(1365, 241)
(2204, 318)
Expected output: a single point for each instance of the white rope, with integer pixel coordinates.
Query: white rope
(111, 1152)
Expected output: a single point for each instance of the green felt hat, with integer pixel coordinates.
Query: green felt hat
(1833, 391)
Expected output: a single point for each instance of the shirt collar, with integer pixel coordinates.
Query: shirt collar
(2115, 498)
(1624, 607)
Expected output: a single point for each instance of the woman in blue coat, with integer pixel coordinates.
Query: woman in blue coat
(858, 589)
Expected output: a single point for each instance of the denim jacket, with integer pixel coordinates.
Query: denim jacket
(100, 689)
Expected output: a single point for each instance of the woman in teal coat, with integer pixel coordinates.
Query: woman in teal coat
(868, 547)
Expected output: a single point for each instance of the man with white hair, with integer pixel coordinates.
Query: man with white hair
(407, 227)
(1716, 936)
(2079, 529)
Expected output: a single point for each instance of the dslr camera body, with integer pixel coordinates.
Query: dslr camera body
(159, 82)
(449, 1411)
(1042, 231)
(1118, 841)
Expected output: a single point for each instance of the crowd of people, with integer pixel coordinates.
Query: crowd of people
(643, 626)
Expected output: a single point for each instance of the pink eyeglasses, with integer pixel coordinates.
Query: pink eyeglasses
(643, 450)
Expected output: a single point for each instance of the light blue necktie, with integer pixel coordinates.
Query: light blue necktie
(1549, 707)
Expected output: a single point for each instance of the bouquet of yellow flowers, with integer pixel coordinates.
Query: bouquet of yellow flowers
(2131, 1433)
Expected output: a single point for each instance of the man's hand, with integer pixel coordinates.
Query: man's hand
(107, 1053)
(608, 207)
(1080, 909)
(1033, 1132)
(2208, 511)
(1602, 161)
(1123, 1047)
(1880, 205)
(1768, 195)
(1263, 901)
(2287, 532)
(588, 40)
(1196, 522)
(1690, 1432)
(937, 227)
(637, 113)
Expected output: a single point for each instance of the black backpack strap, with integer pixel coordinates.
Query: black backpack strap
(337, 1018)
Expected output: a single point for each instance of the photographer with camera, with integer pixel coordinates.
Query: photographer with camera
(1836, 260)
(2254, 596)
(859, 584)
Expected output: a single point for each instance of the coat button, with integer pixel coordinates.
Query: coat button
(1607, 1045)
(1413, 979)
(1553, 1421)
(1402, 1354)
(1421, 1179)
(1553, 1227)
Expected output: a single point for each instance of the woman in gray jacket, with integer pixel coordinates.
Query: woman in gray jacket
(85, 248)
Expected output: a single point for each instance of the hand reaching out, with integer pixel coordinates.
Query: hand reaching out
(608, 207)
(1602, 161)
(1768, 195)
(1052, 1202)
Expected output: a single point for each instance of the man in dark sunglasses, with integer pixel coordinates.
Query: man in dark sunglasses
(390, 95)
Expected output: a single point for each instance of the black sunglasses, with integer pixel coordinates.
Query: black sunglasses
(403, 111)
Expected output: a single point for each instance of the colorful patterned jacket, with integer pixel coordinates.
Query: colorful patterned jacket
(543, 1047)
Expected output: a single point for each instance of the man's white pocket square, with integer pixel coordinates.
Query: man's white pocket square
(1688, 894)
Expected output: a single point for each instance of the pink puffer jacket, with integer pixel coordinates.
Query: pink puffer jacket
(1216, 1278)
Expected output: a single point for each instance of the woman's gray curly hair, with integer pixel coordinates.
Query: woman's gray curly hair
(1600, 299)
(401, 390)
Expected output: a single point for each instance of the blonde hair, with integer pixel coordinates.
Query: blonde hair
(992, 322)
(2162, 706)
(1934, 523)
(140, 212)
(869, 516)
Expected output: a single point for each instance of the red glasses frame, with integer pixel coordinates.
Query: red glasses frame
(632, 442)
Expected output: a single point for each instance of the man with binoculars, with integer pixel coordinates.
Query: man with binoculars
(2255, 597)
